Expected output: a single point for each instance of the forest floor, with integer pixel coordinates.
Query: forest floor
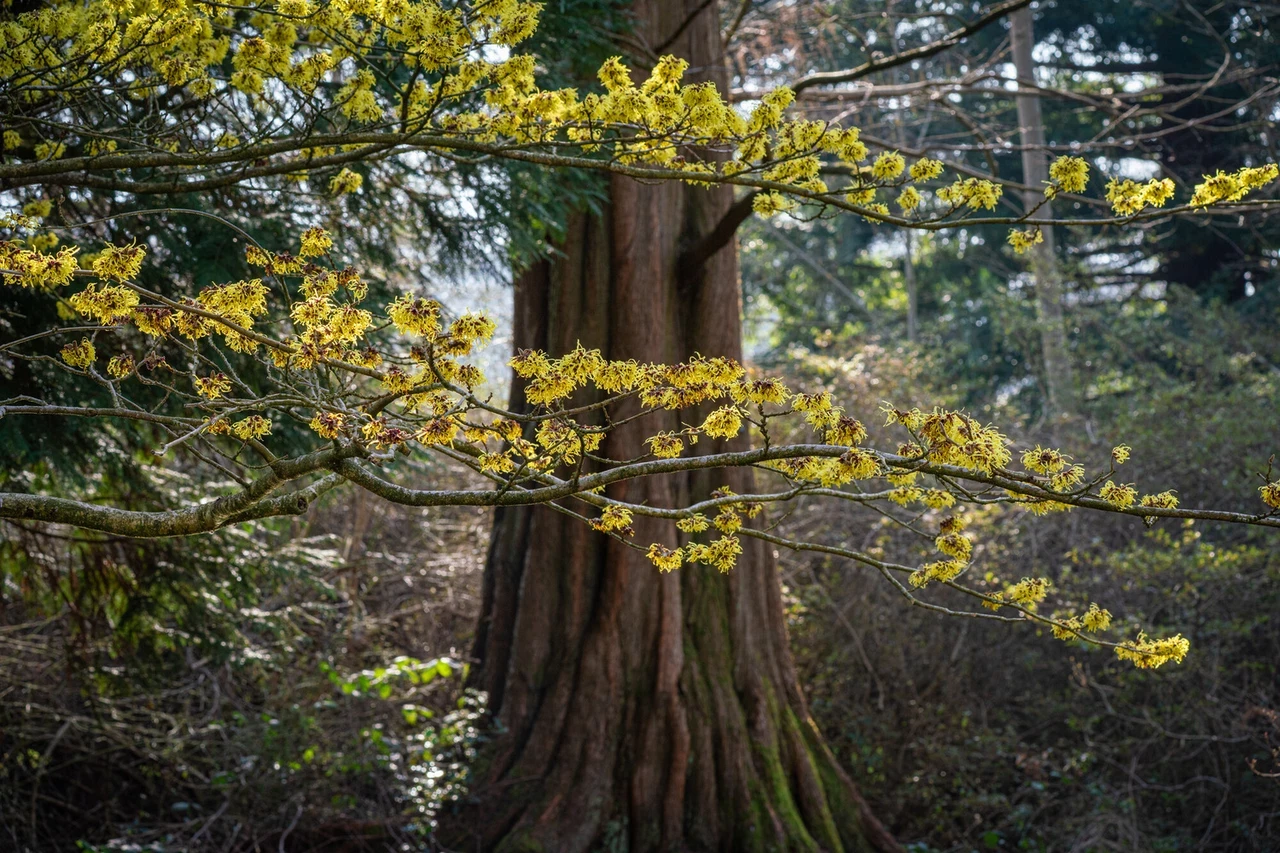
(299, 687)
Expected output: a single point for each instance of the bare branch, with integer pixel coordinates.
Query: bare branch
(950, 40)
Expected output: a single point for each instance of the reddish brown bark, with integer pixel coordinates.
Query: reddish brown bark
(652, 712)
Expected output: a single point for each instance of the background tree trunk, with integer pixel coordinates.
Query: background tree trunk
(909, 276)
(1058, 382)
(640, 711)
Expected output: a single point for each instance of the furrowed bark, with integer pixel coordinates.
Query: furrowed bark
(649, 711)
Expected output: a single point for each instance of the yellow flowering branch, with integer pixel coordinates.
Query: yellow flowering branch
(455, 103)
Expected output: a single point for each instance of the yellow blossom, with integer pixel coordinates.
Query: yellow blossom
(769, 203)
(905, 495)
(345, 181)
(728, 520)
(974, 193)
(1043, 460)
(106, 305)
(1070, 174)
(1096, 619)
(761, 391)
(254, 426)
(119, 262)
(722, 553)
(666, 559)
(120, 366)
(1068, 478)
(1021, 241)
(942, 571)
(472, 327)
(1118, 495)
(50, 150)
(1129, 197)
(548, 389)
(153, 322)
(1065, 629)
(415, 316)
(1028, 592)
(925, 169)
(665, 445)
(1163, 500)
(496, 463)
(1233, 186)
(328, 424)
(529, 364)
(315, 242)
(438, 431)
(887, 166)
(613, 519)
(724, 422)
(80, 354)
(952, 542)
(938, 499)
(695, 523)
(1146, 653)
(846, 431)
(212, 386)
(39, 208)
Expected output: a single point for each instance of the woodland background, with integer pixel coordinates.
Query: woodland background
(300, 681)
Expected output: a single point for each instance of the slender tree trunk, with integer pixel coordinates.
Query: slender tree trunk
(908, 238)
(643, 711)
(1059, 385)
(909, 276)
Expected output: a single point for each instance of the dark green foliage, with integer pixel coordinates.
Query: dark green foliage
(211, 693)
(974, 737)
(985, 733)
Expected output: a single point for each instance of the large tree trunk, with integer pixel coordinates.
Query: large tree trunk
(640, 711)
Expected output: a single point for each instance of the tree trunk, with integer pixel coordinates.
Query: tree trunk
(637, 710)
(1058, 382)
(913, 294)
